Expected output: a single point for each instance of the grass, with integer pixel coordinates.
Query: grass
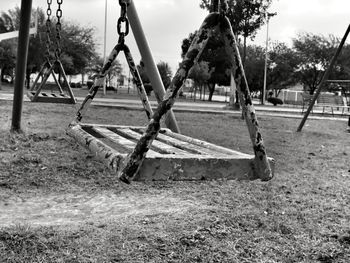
(302, 215)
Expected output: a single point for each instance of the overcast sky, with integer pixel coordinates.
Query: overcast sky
(167, 22)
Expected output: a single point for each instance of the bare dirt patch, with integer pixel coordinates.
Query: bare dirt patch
(74, 209)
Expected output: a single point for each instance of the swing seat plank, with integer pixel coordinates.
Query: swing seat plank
(171, 157)
(50, 97)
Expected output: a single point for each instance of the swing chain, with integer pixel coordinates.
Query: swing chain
(214, 5)
(123, 19)
(48, 29)
(219, 6)
(224, 7)
(58, 29)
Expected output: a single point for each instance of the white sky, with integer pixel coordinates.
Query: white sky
(167, 22)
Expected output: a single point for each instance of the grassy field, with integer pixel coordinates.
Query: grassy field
(58, 204)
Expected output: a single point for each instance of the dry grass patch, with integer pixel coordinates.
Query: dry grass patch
(302, 215)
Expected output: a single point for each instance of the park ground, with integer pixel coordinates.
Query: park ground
(59, 204)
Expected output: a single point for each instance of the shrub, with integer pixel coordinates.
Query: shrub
(274, 101)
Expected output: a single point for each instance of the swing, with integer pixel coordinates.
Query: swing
(154, 153)
(36, 93)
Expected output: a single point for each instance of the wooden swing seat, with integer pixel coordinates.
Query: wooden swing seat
(172, 156)
(50, 98)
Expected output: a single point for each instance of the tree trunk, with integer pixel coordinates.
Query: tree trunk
(232, 91)
(244, 50)
(312, 90)
(195, 92)
(204, 91)
(211, 87)
(277, 92)
(27, 84)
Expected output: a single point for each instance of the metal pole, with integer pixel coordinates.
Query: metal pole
(324, 79)
(22, 55)
(151, 66)
(104, 45)
(266, 57)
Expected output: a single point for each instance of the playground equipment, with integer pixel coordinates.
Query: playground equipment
(152, 153)
(14, 34)
(36, 93)
(324, 80)
(22, 55)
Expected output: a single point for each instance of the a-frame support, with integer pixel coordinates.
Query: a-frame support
(171, 156)
(36, 93)
(214, 24)
(324, 79)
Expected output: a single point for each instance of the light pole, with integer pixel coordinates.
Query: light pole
(268, 15)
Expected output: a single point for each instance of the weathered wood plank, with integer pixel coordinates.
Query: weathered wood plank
(116, 138)
(157, 145)
(106, 154)
(203, 144)
(51, 98)
(166, 166)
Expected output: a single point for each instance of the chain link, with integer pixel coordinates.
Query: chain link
(214, 5)
(58, 29)
(123, 19)
(224, 7)
(48, 29)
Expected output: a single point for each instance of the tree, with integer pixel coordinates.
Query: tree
(77, 43)
(7, 58)
(246, 17)
(200, 74)
(37, 44)
(144, 77)
(341, 69)
(254, 67)
(315, 53)
(215, 54)
(7, 47)
(95, 66)
(165, 73)
(282, 65)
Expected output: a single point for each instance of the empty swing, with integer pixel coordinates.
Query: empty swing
(154, 153)
(36, 93)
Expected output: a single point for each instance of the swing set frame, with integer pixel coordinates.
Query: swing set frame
(48, 69)
(152, 153)
(155, 157)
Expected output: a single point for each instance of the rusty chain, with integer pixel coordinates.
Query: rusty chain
(58, 29)
(48, 29)
(219, 6)
(123, 19)
(214, 5)
(224, 7)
